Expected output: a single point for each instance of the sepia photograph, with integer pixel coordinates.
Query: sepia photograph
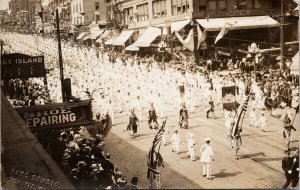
(149, 94)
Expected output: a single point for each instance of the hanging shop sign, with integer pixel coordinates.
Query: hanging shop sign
(53, 116)
(228, 98)
(224, 53)
(22, 66)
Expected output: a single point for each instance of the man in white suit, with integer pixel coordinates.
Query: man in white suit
(206, 157)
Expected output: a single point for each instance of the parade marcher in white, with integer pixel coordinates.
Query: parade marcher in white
(206, 158)
(263, 123)
(253, 120)
(175, 138)
(191, 144)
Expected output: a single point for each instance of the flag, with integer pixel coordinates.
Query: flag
(155, 159)
(201, 37)
(188, 42)
(223, 31)
(241, 112)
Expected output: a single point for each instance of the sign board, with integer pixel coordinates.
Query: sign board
(22, 66)
(60, 115)
(228, 98)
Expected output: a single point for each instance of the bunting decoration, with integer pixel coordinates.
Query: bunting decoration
(201, 37)
(188, 42)
(223, 31)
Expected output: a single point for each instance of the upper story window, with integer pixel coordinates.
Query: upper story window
(97, 5)
(142, 12)
(217, 5)
(128, 15)
(159, 8)
(180, 7)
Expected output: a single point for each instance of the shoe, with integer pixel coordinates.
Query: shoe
(172, 150)
(204, 175)
(210, 178)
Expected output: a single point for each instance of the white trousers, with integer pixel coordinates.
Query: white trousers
(206, 169)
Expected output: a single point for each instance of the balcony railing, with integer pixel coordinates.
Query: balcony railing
(229, 13)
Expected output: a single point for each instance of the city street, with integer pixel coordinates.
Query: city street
(259, 165)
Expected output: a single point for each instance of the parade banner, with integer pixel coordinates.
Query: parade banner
(53, 116)
(22, 66)
(228, 98)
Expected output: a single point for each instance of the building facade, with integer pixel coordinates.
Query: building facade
(85, 12)
(143, 13)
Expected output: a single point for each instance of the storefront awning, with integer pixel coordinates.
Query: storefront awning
(109, 42)
(148, 37)
(122, 38)
(132, 47)
(94, 35)
(215, 24)
(81, 36)
(176, 26)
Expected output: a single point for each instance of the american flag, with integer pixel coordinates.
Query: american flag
(238, 122)
(155, 159)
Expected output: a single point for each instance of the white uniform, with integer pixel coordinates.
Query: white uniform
(263, 123)
(175, 138)
(253, 119)
(191, 145)
(206, 157)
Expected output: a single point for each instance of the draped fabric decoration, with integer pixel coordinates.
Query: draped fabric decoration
(223, 31)
(201, 37)
(188, 42)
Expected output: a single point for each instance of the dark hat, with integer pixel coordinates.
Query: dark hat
(287, 152)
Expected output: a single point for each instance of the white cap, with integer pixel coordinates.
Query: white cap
(207, 139)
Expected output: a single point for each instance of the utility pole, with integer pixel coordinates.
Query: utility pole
(61, 68)
(196, 53)
(42, 18)
(282, 64)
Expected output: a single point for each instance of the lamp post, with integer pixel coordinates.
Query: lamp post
(254, 50)
(162, 48)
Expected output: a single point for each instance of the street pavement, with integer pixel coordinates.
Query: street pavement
(259, 165)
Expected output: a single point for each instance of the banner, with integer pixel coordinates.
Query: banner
(53, 116)
(228, 98)
(22, 66)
